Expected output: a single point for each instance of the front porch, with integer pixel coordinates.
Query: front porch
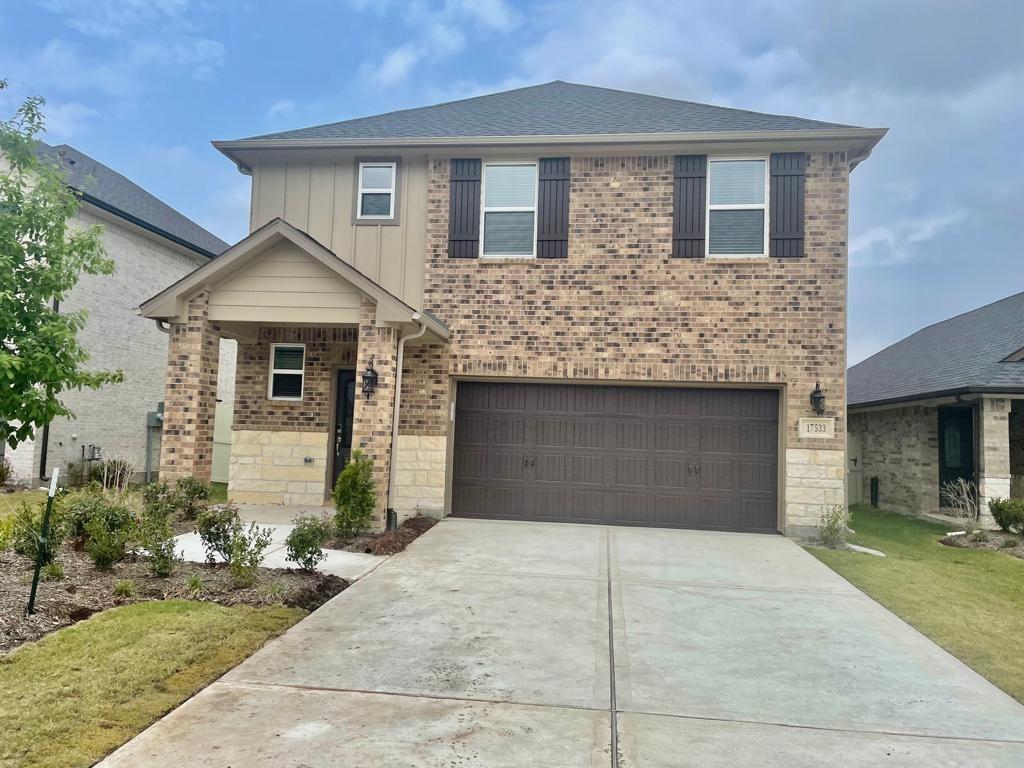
(914, 448)
(307, 325)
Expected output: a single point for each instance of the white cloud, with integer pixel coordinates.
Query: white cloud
(395, 67)
(281, 107)
(65, 120)
(896, 243)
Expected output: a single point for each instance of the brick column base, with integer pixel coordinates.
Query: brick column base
(190, 396)
(372, 417)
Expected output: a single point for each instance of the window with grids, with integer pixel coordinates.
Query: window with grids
(509, 209)
(287, 371)
(377, 190)
(737, 207)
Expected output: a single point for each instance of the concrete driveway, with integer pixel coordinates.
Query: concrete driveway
(556, 646)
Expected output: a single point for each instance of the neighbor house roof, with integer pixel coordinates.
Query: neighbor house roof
(109, 190)
(553, 109)
(972, 352)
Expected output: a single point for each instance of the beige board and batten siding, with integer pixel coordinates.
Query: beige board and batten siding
(319, 198)
(285, 285)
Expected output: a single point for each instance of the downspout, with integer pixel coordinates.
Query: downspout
(44, 440)
(392, 516)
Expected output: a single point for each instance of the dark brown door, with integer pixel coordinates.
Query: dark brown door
(956, 445)
(344, 407)
(656, 456)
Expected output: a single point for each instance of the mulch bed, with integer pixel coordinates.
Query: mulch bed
(1010, 543)
(387, 543)
(85, 590)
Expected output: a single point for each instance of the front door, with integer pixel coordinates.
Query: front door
(345, 393)
(956, 445)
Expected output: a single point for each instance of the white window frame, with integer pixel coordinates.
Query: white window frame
(292, 371)
(484, 210)
(360, 191)
(744, 207)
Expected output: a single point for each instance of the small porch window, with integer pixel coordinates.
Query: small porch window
(377, 190)
(287, 371)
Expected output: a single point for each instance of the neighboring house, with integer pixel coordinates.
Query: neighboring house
(151, 245)
(943, 403)
(593, 305)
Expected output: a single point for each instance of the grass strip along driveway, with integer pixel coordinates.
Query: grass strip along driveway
(969, 601)
(74, 696)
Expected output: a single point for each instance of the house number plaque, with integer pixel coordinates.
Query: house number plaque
(818, 428)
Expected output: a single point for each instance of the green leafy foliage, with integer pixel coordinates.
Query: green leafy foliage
(306, 540)
(832, 525)
(53, 572)
(125, 588)
(41, 260)
(27, 538)
(6, 471)
(191, 496)
(6, 532)
(355, 496)
(156, 535)
(106, 545)
(247, 548)
(1008, 514)
(77, 508)
(194, 587)
(215, 527)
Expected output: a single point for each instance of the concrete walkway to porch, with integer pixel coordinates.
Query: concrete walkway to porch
(572, 646)
(350, 566)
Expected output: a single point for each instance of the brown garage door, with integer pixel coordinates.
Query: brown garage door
(670, 457)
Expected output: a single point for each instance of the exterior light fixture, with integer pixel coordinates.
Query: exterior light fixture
(818, 399)
(369, 379)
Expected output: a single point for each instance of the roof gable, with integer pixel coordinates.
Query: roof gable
(553, 109)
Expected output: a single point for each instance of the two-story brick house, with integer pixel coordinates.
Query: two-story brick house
(597, 306)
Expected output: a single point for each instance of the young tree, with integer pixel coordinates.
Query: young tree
(41, 259)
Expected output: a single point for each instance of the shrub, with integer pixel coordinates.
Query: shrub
(191, 496)
(106, 545)
(124, 588)
(215, 526)
(832, 525)
(157, 537)
(355, 496)
(6, 471)
(247, 548)
(1008, 514)
(53, 572)
(26, 534)
(77, 508)
(961, 497)
(6, 532)
(1010, 542)
(979, 536)
(306, 540)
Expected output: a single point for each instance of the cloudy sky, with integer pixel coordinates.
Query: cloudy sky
(937, 216)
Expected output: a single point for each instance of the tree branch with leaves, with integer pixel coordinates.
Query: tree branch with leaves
(41, 259)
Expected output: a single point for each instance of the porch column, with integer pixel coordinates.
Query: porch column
(993, 452)
(190, 395)
(372, 417)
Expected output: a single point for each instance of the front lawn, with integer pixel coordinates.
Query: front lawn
(9, 502)
(971, 602)
(79, 693)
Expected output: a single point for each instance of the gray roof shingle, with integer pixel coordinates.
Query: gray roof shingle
(964, 352)
(123, 197)
(552, 109)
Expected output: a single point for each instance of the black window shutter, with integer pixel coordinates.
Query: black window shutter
(464, 210)
(689, 195)
(553, 208)
(786, 214)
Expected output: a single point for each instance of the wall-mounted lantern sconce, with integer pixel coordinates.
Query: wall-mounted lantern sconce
(818, 399)
(369, 379)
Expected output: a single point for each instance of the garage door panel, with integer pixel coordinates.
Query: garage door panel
(658, 456)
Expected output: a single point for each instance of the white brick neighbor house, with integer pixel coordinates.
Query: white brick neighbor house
(576, 304)
(151, 245)
(944, 403)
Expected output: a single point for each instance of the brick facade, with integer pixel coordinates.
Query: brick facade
(190, 395)
(619, 308)
(900, 446)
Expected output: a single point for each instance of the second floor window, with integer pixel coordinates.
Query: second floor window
(509, 209)
(737, 207)
(376, 190)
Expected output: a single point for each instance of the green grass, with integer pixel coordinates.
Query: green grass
(220, 493)
(77, 694)
(969, 601)
(9, 502)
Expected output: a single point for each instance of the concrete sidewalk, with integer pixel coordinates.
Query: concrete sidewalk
(555, 646)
